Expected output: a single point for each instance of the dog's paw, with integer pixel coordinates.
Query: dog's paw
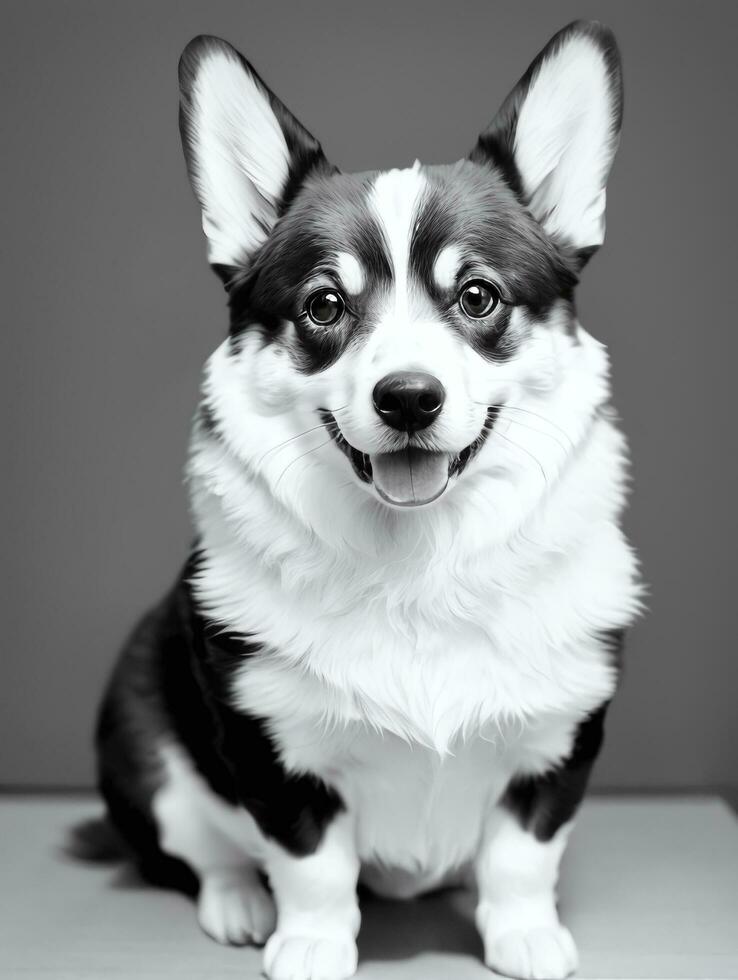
(309, 958)
(235, 909)
(546, 953)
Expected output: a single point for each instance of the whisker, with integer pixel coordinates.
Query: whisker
(293, 461)
(543, 418)
(540, 432)
(286, 442)
(496, 432)
(299, 435)
(537, 415)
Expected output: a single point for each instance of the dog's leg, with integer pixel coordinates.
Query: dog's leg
(233, 907)
(518, 865)
(516, 914)
(317, 908)
(307, 843)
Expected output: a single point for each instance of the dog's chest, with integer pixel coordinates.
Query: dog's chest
(429, 683)
(419, 810)
(419, 817)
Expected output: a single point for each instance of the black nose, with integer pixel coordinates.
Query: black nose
(408, 400)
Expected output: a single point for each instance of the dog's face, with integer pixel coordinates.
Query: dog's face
(403, 315)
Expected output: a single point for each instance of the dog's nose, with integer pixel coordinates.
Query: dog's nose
(408, 400)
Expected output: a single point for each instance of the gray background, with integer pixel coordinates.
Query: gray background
(109, 311)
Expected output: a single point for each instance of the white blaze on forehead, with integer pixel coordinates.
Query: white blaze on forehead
(395, 200)
(350, 272)
(446, 266)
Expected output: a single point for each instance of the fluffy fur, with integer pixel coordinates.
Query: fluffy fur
(339, 687)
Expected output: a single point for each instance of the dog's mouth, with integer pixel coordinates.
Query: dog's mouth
(412, 476)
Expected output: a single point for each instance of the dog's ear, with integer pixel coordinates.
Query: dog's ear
(555, 136)
(246, 153)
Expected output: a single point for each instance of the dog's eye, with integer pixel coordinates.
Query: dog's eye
(479, 298)
(324, 307)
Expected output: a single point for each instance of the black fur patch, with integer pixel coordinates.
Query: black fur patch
(151, 696)
(171, 684)
(472, 208)
(292, 809)
(328, 215)
(544, 803)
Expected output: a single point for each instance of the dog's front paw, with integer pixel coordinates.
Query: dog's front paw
(289, 957)
(545, 953)
(235, 908)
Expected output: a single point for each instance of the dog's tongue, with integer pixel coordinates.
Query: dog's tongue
(410, 476)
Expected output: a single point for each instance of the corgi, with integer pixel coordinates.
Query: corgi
(390, 653)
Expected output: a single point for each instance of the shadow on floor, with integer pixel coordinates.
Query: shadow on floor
(442, 922)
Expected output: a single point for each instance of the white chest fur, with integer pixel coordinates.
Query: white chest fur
(418, 812)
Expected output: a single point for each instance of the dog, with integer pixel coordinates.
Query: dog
(389, 655)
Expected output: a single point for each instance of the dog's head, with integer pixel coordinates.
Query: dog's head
(387, 328)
